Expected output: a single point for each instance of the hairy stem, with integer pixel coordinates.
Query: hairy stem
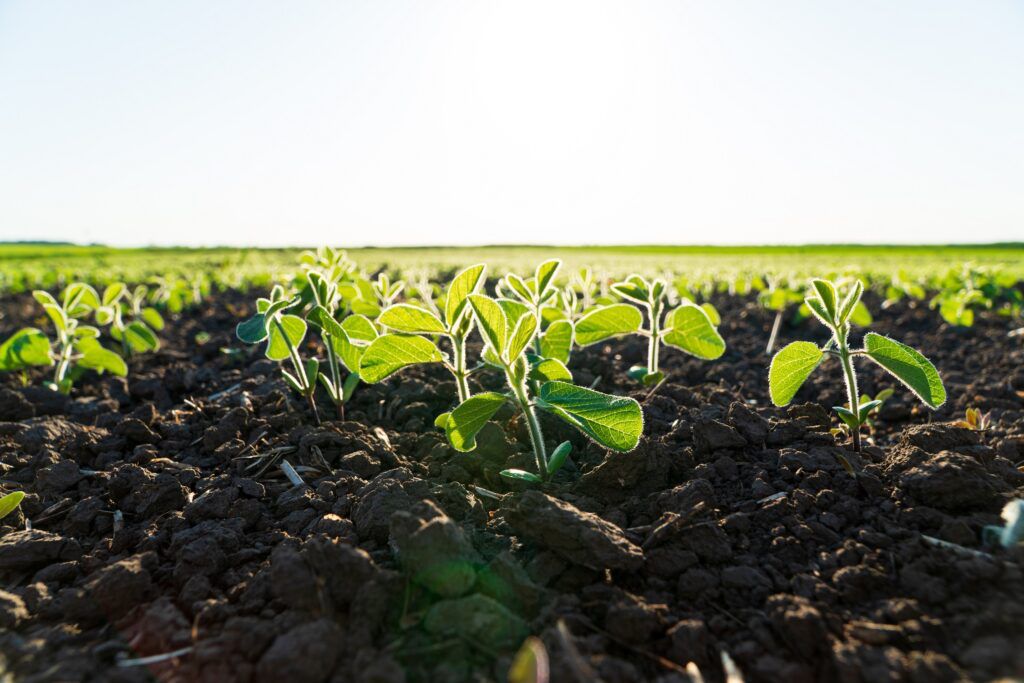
(64, 360)
(461, 374)
(536, 437)
(654, 342)
(775, 332)
(851, 385)
(300, 372)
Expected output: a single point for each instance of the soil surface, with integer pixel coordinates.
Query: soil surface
(163, 526)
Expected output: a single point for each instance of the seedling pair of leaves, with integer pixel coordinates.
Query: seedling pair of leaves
(689, 327)
(413, 331)
(552, 307)
(793, 364)
(131, 322)
(75, 348)
(974, 419)
(508, 328)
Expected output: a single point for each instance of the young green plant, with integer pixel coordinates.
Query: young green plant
(794, 363)
(508, 328)
(413, 330)
(548, 304)
(75, 348)
(688, 327)
(284, 333)
(131, 322)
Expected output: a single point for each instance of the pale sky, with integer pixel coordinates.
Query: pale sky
(388, 122)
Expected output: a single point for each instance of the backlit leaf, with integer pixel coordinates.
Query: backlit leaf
(469, 417)
(608, 321)
(690, 330)
(790, 368)
(25, 348)
(908, 366)
(613, 421)
(390, 353)
(464, 284)
(412, 319)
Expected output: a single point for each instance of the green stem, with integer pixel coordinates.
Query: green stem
(536, 437)
(461, 374)
(63, 361)
(332, 362)
(300, 372)
(851, 385)
(654, 342)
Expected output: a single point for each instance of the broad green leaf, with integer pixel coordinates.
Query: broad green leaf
(546, 273)
(860, 315)
(389, 353)
(79, 298)
(140, 338)
(491, 320)
(514, 310)
(550, 369)
(57, 315)
(827, 294)
(441, 421)
(367, 307)
(691, 330)
(818, 309)
(908, 366)
(464, 284)
(153, 318)
(631, 291)
(349, 385)
(521, 475)
(10, 502)
(519, 287)
(24, 348)
(113, 292)
(608, 321)
(469, 417)
(359, 328)
(44, 297)
(311, 368)
(287, 328)
(521, 336)
(95, 357)
(549, 314)
(556, 342)
(790, 368)
(86, 331)
(713, 314)
(613, 421)
(411, 319)
(253, 330)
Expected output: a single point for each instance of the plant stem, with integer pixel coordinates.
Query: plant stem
(654, 343)
(332, 361)
(63, 361)
(775, 332)
(461, 383)
(300, 372)
(851, 384)
(536, 437)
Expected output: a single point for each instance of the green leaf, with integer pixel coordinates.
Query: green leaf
(390, 353)
(95, 357)
(253, 330)
(521, 336)
(713, 315)
(411, 319)
(690, 330)
(349, 386)
(10, 502)
(632, 291)
(861, 316)
(311, 368)
(851, 301)
(815, 306)
(112, 293)
(550, 369)
(140, 338)
(441, 421)
(367, 307)
(359, 328)
(827, 295)
(847, 416)
(521, 475)
(558, 457)
(519, 287)
(608, 321)
(153, 318)
(546, 273)
(464, 284)
(790, 368)
(908, 366)
(26, 347)
(287, 328)
(469, 417)
(613, 421)
(514, 310)
(556, 342)
(492, 321)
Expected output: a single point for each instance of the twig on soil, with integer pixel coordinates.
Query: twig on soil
(156, 659)
(292, 475)
(775, 496)
(58, 509)
(382, 435)
(931, 540)
(674, 522)
(230, 390)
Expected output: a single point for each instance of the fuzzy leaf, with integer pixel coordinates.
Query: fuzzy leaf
(95, 357)
(492, 321)
(24, 348)
(608, 321)
(140, 338)
(908, 366)
(546, 272)
(291, 325)
(556, 342)
(464, 284)
(411, 319)
(851, 301)
(613, 421)
(690, 330)
(10, 502)
(390, 353)
(521, 336)
(359, 328)
(469, 417)
(253, 330)
(152, 317)
(550, 369)
(826, 292)
(790, 368)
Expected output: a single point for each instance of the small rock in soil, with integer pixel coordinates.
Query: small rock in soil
(433, 550)
(305, 654)
(32, 548)
(12, 610)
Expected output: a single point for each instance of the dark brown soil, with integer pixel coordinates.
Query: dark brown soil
(162, 523)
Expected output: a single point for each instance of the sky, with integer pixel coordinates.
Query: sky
(439, 122)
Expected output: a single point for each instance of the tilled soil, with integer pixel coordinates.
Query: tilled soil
(163, 526)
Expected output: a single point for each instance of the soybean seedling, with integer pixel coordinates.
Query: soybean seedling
(75, 348)
(10, 502)
(131, 322)
(344, 342)
(284, 333)
(793, 364)
(688, 327)
(508, 327)
(975, 420)
(414, 330)
(544, 300)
